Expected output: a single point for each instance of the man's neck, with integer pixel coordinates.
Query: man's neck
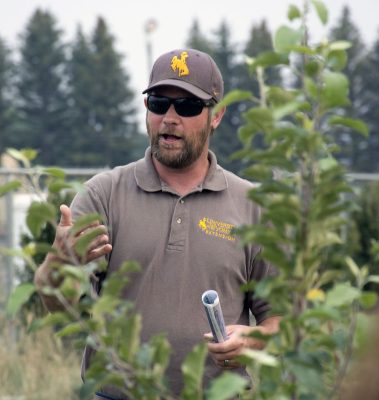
(186, 179)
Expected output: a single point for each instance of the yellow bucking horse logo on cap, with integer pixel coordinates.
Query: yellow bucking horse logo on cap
(180, 64)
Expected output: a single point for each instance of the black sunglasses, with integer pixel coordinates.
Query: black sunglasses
(184, 106)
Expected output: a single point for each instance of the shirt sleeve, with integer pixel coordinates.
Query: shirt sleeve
(259, 307)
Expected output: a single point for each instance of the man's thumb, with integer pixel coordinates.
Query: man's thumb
(66, 219)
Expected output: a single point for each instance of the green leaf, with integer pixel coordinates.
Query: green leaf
(340, 45)
(84, 221)
(270, 58)
(70, 329)
(342, 294)
(234, 96)
(227, 386)
(24, 155)
(287, 109)
(285, 38)
(353, 123)
(303, 50)
(38, 214)
(293, 12)
(9, 186)
(312, 68)
(321, 10)
(353, 267)
(329, 276)
(58, 185)
(373, 278)
(193, 370)
(321, 313)
(335, 90)
(259, 119)
(368, 299)
(337, 60)
(86, 239)
(56, 172)
(19, 297)
(262, 357)
(131, 337)
(279, 96)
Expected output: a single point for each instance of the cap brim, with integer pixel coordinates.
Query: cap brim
(182, 85)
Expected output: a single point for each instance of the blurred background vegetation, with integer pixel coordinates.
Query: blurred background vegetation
(73, 102)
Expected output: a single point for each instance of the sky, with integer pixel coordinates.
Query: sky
(127, 20)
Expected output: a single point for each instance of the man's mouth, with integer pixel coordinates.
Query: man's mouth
(169, 137)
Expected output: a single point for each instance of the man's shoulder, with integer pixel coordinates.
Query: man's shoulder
(236, 182)
(112, 176)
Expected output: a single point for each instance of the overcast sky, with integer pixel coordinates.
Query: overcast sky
(127, 19)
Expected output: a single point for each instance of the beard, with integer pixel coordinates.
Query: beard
(191, 148)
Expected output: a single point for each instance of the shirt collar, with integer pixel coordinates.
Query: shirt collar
(148, 180)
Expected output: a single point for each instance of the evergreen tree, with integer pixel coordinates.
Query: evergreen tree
(42, 99)
(197, 40)
(225, 141)
(260, 40)
(104, 100)
(5, 103)
(84, 146)
(353, 146)
(370, 76)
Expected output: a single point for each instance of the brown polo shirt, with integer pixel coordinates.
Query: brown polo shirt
(184, 246)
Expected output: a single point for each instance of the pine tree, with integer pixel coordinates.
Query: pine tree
(84, 147)
(5, 102)
(260, 40)
(42, 99)
(113, 113)
(197, 39)
(370, 105)
(225, 141)
(353, 146)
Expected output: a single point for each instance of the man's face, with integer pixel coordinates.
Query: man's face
(176, 141)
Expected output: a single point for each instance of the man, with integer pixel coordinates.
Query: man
(174, 212)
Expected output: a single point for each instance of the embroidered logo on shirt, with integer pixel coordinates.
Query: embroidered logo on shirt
(216, 228)
(180, 64)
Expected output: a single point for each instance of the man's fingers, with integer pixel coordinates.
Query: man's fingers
(99, 252)
(66, 218)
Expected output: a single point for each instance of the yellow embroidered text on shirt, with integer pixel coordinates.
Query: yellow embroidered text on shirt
(217, 228)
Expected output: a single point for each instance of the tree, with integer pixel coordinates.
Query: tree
(197, 40)
(112, 111)
(353, 147)
(259, 42)
(41, 94)
(101, 109)
(6, 111)
(80, 72)
(225, 141)
(369, 159)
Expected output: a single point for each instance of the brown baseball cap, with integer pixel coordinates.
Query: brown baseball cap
(188, 69)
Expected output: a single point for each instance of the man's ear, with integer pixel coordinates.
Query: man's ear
(217, 117)
(145, 101)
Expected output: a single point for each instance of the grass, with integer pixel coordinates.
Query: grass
(36, 366)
